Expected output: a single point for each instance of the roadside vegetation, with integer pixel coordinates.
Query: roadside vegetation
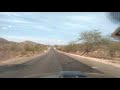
(10, 50)
(94, 44)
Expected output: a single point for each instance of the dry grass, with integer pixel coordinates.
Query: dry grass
(13, 50)
(101, 52)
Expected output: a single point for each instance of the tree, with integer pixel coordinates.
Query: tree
(106, 40)
(90, 39)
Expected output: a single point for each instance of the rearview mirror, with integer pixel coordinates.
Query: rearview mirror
(116, 33)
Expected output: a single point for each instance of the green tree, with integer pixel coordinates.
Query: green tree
(90, 39)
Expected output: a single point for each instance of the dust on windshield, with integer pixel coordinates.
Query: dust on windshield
(41, 43)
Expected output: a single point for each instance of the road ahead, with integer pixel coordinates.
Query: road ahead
(50, 62)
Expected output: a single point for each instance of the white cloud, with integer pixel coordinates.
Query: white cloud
(18, 21)
(43, 28)
(80, 18)
(10, 26)
(13, 20)
(4, 28)
(71, 24)
(60, 25)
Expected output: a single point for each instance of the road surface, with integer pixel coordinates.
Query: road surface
(49, 63)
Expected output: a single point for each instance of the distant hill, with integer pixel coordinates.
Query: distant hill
(10, 49)
(29, 42)
(32, 43)
(3, 41)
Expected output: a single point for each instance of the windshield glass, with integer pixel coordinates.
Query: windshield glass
(44, 44)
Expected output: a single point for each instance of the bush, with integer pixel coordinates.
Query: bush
(94, 44)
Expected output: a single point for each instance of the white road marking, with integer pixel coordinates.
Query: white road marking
(94, 67)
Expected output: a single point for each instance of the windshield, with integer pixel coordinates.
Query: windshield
(59, 44)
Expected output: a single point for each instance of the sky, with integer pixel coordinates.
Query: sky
(52, 27)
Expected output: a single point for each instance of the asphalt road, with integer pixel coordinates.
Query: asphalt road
(47, 64)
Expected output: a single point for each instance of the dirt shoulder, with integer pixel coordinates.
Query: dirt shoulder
(104, 61)
(104, 66)
(21, 60)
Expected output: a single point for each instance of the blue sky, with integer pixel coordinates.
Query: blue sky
(52, 27)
